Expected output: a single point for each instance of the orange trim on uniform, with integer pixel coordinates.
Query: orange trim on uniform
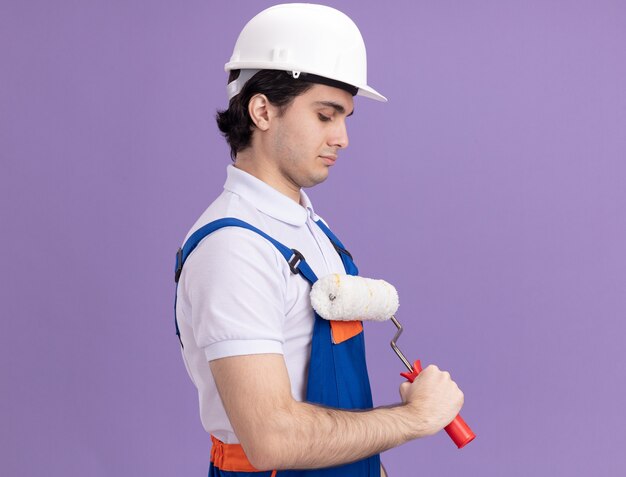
(344, 330)
(230, 457)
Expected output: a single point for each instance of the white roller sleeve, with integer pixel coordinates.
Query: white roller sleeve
(349, 298)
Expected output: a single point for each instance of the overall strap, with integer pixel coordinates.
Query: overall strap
(346, 257)
(296, 261)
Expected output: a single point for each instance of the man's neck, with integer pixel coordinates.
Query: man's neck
(264, 172)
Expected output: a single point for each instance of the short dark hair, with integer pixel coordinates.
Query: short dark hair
(235, 123)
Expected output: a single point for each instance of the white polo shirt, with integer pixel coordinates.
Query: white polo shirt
(237, 295)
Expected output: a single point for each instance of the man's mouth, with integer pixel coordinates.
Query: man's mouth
(329, 159)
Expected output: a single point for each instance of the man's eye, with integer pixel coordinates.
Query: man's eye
(323, 117)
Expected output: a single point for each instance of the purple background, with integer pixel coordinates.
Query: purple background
(490, 190)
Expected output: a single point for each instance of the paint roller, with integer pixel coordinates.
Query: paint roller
(340, 297)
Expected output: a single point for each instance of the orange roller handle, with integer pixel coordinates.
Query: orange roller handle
(458, 430)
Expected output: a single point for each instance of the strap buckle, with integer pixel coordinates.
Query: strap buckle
(179, 265)
(341, 250)
(295, 261)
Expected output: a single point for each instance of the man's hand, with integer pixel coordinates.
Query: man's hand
(434, 397)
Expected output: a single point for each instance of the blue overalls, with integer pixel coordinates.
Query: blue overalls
(337, 374)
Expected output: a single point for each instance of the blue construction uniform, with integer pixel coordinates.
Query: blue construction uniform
(337, 374)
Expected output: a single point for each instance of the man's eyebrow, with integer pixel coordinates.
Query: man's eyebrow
(336, 106)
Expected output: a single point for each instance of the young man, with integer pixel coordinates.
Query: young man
(279, 387)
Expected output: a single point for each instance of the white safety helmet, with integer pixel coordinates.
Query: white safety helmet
(308, 40)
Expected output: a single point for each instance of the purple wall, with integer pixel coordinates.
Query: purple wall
(491, 190)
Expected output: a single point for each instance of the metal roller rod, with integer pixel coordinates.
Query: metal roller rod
(395, 348)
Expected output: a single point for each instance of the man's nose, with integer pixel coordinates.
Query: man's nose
(339, 137)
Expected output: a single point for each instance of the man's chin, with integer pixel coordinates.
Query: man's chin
(317, 179)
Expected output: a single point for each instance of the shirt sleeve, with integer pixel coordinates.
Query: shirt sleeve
(235, 286)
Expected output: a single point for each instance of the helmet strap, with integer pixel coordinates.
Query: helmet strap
(234, 87)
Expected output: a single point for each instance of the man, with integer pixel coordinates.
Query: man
(279, 387)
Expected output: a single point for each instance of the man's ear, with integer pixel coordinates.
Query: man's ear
(261, 111)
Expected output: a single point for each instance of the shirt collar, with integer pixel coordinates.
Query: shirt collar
(267, 199)
(306, 203)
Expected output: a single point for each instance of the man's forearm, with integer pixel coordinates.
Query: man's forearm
(303, 435)
(278, 432)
